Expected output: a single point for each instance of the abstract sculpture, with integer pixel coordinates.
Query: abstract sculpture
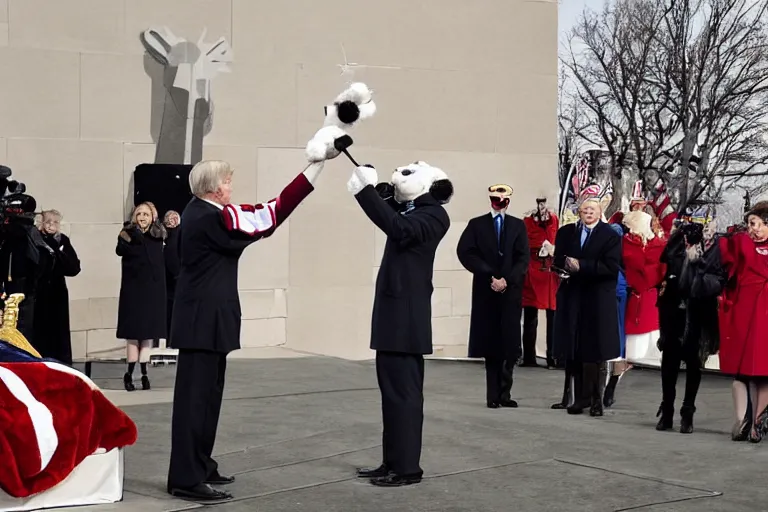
(189, 69)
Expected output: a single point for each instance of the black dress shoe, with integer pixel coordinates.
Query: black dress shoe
(217, 479)
(378, 472)
(596, 409)
(559, 405)
(393, 480)
(576, 408)
(508, 403)
(200, 492)
(493, 404)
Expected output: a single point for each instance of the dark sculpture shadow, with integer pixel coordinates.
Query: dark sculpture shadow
(168, 123)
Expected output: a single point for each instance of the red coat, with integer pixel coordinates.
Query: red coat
(540, 285)
(744, 317)
(644, 271)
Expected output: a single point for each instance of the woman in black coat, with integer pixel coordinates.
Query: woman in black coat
(51, 318)
(141, 315)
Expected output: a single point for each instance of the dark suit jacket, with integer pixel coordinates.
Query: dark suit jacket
(495, 319)
(586, 320)
(402, 307)
(206, 310)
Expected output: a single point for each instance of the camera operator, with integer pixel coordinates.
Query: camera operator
(23, 251)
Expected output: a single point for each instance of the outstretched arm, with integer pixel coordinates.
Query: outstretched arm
(416, 228)
(262, 219)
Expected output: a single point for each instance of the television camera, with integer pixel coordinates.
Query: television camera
(16, 207)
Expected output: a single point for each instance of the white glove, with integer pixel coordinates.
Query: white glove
(547, 250)
(321, 147)
(361, 178)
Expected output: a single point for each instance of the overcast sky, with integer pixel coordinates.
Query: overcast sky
(570, 10)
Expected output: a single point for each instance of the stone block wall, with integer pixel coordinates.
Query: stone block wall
(470, 87)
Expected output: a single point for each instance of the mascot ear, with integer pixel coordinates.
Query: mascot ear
(442, 190)
(386, 191)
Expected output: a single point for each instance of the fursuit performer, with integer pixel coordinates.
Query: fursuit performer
(206, 318)
(409, 210)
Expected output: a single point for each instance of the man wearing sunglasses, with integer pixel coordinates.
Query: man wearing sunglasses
(494, 248)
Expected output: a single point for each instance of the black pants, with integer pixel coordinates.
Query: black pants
(498, 379)
(197, 399)
(401, 382)
(674, 353)
(530, 330)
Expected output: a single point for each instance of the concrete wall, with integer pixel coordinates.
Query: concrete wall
(469, 86)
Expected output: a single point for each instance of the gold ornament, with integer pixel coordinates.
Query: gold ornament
(8, 331)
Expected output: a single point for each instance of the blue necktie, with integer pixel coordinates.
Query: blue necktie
(585, 236)
(498, 221)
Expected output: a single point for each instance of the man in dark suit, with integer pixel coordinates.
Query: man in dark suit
(205, 326)
(494, 248)
(410, 213)
(588, 254)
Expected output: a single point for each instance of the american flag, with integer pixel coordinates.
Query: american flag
(51, 418)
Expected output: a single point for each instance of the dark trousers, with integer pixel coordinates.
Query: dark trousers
(674, 353)
(530, 330)
(197, 398)
(498, 379)
(401, 382)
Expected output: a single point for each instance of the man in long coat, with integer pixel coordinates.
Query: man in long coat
(586, 321)
(540, 284)
(494, 248)
(205, 326)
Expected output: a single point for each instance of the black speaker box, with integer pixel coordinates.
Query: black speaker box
(164, 185)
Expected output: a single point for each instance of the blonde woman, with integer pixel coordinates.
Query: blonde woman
(141, 315)
(51, 317)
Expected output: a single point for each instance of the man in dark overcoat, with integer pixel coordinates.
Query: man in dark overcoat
(586, 320)
(410, 213)
(494, 248)
(205, 326)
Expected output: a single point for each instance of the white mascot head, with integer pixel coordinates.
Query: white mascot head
(408, 183)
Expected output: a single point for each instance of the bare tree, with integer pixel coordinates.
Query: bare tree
(680, 81)
(612, 56)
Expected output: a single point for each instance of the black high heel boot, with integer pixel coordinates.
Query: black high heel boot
(610, 390)
(582, 392)
(686, 419)
(563, 404)
(599, 373)
(128, 382)
(667, 413)
(145, 383)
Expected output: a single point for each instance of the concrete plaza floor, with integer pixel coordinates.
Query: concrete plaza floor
(293, 429)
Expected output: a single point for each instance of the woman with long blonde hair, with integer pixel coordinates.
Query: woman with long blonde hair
(141, 316)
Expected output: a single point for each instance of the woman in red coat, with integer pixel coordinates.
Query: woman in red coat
(744, 342)
(644, 272)
(540, 285)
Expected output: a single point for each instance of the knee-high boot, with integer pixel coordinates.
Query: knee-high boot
(599, 375)
(582, 390)
(562, 404)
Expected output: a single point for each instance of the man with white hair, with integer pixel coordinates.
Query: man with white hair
(206, 317)
(588, 254)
